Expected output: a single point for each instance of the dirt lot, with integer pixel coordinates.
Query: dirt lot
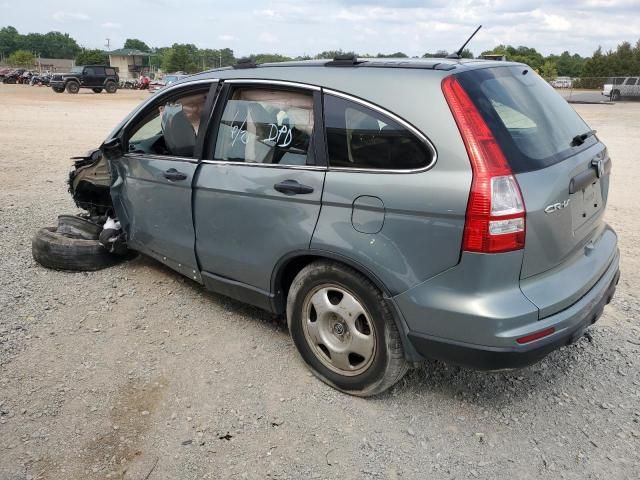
(134, 372)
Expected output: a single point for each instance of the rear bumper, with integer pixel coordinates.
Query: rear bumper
(569, 325)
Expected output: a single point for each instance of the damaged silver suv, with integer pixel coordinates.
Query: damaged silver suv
(393, 210)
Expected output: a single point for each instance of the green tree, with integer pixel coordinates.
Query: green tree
(181, 57)
(9, 41)
(136, 44)
(437, 54)
(548, 70)
(270, 58)
(57, 45)
(210, 58)
(466, 53)
(526, 55)
(392, 55)
(331, 54)
(92, 57)
(22, 58)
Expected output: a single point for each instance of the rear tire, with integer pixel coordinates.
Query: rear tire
(111, 87)
(615, 95)
(344, 329)
(57, 251)
(73, 87)
(97, 90)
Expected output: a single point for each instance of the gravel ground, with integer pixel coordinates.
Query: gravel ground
(136, 373)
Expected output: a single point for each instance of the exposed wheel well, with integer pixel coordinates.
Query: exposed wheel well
(289, 268)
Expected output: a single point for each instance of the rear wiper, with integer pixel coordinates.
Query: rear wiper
(579, 139)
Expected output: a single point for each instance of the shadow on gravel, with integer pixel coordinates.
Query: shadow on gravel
(560, 369)
(236, 307)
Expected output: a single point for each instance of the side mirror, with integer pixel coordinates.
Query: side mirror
(112, 148)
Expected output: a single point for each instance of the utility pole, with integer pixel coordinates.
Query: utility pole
(108, 44)
(220, 52)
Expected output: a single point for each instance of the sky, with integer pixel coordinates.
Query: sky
(298, 27)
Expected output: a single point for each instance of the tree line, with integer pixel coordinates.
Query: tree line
(22, 49)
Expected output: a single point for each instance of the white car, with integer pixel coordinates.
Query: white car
(562, 82)
(617, 87)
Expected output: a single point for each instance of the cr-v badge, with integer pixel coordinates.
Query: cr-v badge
(554, 207)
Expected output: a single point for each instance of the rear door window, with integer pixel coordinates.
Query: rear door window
(631, 81)
(110, 71)
(99, 71)
(362, 138)
(533, 124)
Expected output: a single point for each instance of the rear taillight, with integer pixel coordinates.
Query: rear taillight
(495, 219)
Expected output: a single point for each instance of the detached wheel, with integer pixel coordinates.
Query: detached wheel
(55, 250)
(111, 87)
(344, 329)
(615, 95)
(97, 90)
(73, 87)
(75, 226)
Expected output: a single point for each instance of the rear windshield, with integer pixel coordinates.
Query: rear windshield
(533, 124)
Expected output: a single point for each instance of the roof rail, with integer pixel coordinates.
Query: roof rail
(246, 62)
(346, 60)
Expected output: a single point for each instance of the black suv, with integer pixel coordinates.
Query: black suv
(95, 77)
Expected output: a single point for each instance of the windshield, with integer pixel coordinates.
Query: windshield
(532, 123)
(76, 69)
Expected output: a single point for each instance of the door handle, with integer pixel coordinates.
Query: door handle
(173, 174)
(291, 187)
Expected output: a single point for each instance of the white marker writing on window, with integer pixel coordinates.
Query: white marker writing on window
(283, 136)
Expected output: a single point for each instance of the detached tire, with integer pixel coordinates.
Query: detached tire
(344, 329)
(54, 250)
(78, 227)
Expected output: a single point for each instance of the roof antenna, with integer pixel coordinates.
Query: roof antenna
(459, 52)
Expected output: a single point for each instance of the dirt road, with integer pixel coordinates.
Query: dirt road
(136, 373)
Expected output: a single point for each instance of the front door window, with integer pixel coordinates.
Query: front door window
(171, 128)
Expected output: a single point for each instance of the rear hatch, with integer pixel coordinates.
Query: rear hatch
(563, 172)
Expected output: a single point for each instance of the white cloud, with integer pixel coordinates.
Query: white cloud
(112, 25)
(267, 37)
(61, 16)
(226, 38)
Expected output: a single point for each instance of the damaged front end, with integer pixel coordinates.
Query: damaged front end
(89, 185)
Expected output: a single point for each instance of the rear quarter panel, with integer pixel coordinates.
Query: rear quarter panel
(423, 212)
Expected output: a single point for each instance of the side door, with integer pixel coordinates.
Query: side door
(99, 77)
(258, 191)
(151, 181)
(88, 77)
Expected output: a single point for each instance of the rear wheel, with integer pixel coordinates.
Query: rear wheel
(615, 95)
(96, 90)
(344, 329)
(73, 87)
(111, 87)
